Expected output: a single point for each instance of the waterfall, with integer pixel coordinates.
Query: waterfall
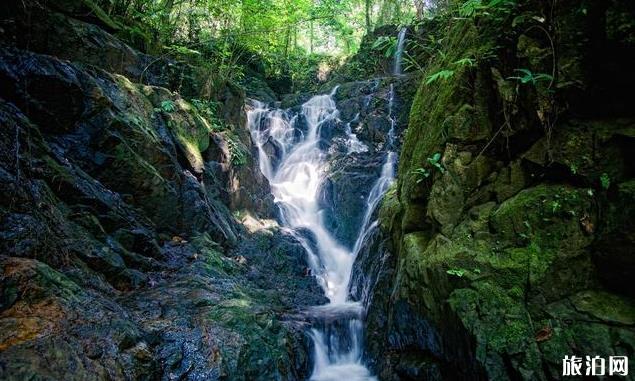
(399, 52)
(295, 165)
(353, 143)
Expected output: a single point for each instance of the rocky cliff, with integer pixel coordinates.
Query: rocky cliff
(507, 241)
(135, 226)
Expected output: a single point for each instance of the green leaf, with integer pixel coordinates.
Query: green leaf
(605, 180)
(529, 77)
(168, 106)
(465, 62)
(443, 74)
(421, 174)
(469, 8)
(456, 272)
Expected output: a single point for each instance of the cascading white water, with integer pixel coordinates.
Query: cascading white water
(399, 52)
(295, 181)
(353, 143)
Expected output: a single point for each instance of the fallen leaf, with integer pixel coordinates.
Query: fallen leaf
(544, 334)
(587, 224)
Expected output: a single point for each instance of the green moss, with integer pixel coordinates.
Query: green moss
(520, 265)
(213, 260)
(238, 153)
(260, 337)
(548, 213)
(497, 274)
(414, 248)
(138, 129)
(191, 132)
(235, 313)
(43, 281)
(59, 173)
(414, 216)
(605, 307)
(598, 339)
(126, 156)
(389, 209)
(496, 316)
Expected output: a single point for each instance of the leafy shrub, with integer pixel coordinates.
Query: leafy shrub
(209, 111)
(434, 162)
(237, 153)
(386, 44)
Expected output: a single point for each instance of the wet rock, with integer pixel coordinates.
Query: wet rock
(99, 178)
(258, 88)
(346, 191)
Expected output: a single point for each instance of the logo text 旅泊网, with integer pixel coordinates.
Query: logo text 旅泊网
(595, 366)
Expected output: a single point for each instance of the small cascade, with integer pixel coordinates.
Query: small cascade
(353, 143)
(399, 52)
(296, 166)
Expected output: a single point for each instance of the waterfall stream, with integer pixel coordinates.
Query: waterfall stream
(399, 52)
(291, 158)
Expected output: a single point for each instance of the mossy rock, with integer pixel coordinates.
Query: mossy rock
(586, 149)
(191, 131)
(509, 181)
(390, 208)
(443, 110)
(550, 213)
(458, 177)
(605, 307)
(496, 315)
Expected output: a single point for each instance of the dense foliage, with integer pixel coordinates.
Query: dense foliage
(291, 38)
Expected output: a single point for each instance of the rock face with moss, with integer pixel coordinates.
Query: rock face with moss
(508, 238)
(120, 258)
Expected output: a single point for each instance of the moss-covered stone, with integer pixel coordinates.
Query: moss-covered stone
(513, 253)
(550, 214)
(606, 307)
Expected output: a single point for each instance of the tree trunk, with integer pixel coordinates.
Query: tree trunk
(311, 37)
(287, 40)
(368, 11)
(420, 5)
